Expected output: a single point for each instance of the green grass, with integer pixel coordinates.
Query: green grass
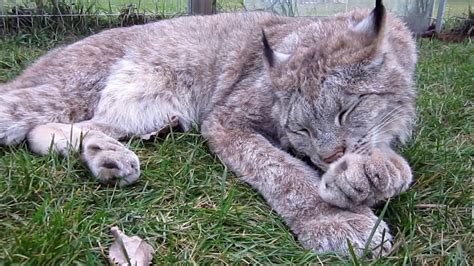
(457, 8)
(89, 16)
(193, 210)
(113, 6)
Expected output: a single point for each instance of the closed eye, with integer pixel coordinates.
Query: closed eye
(303, 132)
(342, 116)
(299, 130)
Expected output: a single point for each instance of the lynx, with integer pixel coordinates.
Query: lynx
(304, 110)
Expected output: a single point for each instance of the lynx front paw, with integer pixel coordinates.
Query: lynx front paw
(333, 232)
(110, 161)
(356, 180)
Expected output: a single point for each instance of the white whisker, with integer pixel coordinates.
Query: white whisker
(388, 117)
(377, 133)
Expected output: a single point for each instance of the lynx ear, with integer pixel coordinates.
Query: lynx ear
(273, 58)
(372, 26)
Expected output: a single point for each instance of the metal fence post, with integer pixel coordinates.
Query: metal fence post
(439, 18)
(4, 23)
(201, 7)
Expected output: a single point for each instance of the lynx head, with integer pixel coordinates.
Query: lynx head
(344, 89)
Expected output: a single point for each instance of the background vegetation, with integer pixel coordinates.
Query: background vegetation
(88, 16)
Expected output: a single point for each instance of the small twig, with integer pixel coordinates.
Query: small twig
(430, 206)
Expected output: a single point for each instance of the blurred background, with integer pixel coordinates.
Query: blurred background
(90, 15)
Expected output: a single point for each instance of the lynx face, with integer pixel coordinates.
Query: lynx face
(347, 92)
(339, 122)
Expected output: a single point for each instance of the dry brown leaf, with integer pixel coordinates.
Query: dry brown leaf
(129, 250)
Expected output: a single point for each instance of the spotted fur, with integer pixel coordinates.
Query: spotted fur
(266, 91)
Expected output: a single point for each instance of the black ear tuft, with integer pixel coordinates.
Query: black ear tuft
(372, 25)
(378, 14)
(267, 50)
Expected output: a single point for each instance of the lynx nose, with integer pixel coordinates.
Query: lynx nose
(333, 157)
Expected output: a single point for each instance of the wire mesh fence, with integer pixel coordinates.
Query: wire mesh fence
(83, 15)
(418, 14)
(86, 15)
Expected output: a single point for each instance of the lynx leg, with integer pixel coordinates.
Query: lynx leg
(291, 188)
(108, 159)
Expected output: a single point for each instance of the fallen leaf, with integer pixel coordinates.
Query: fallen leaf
(129, 250)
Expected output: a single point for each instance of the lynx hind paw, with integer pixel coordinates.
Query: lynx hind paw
(333, 234)
(110, 161)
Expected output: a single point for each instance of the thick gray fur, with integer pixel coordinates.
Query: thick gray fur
(339, 91)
